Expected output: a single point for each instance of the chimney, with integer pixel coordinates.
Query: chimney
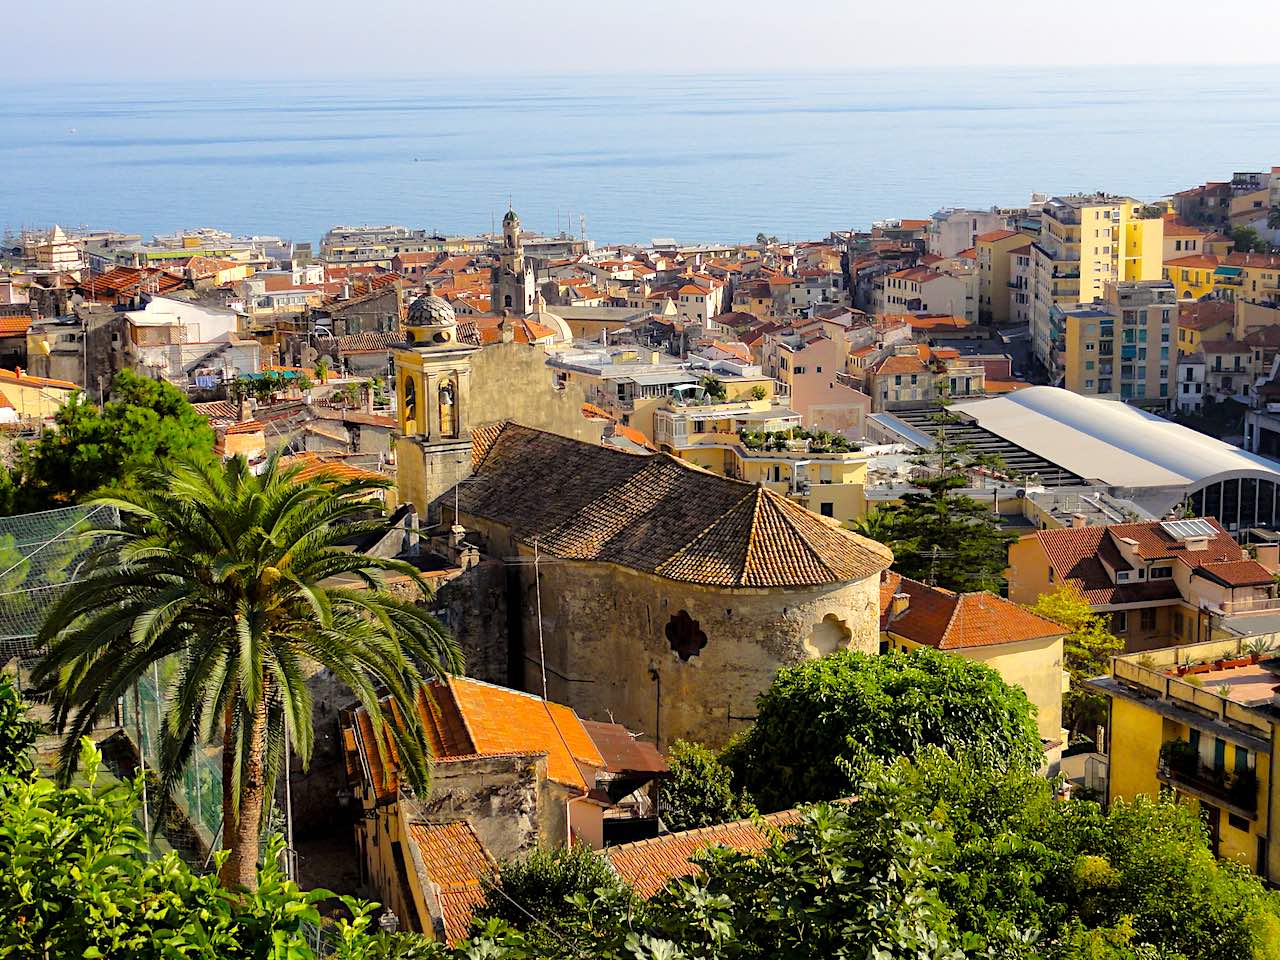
(506, 327)
(346, 290)
(898, 605)
(1079, 521)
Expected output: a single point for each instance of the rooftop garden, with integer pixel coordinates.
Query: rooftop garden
(820, 441)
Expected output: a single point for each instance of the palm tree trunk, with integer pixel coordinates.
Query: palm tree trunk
(230, 872)
(244, 848)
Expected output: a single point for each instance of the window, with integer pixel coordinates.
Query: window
(1242, 759)
(1119, 622)
(1237, 823)
(1147, 619)
(827, 509)
(1161, 573)
(1219, 753)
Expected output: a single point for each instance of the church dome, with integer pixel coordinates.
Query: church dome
(430, 310)
(510, 217)
(557, 323)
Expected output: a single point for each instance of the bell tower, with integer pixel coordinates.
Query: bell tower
(513, 286)
(433, 392)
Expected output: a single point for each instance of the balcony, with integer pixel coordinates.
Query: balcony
(1180, 767)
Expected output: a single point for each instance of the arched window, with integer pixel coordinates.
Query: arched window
(410, 406)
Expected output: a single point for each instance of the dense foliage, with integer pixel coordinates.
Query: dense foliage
(937, 859)
(557, 893)
(820, 441)
(145, 424)
(937, 534)
(17, 731)
(700, 790)
(242, 579)
(1086, 652)
(820, 717)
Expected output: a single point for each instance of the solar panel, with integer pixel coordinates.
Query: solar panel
(1189, 529)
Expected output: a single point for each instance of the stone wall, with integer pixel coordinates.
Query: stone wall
(511, 381)
(507, 800)
(475, 604)
(664, 658)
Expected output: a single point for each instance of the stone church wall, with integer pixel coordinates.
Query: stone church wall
(674, 660)
(511, 381)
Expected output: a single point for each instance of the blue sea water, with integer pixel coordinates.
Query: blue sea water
(699, 158)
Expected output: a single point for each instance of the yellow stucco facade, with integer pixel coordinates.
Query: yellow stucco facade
(1231, 746)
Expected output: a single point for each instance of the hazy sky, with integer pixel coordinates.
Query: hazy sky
(88, 39)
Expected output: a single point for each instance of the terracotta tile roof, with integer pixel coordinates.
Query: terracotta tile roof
(649, 865)
(314, 464)
(21, 378)
(592, 412)
(128, 281)
(912, 224)
(1175, 228)
(1075, 554)
(218, 410)
(1237, 573)
(995, 385)
(1202, 314)
(658, 515)
(1224, 346)
(969, 253)
(936, 321)
(1269, 261)
(501, 720)
(15, 326)
(525, 330)
(367, 342)
(454, 859)
(993, 235)
(956, 621)
(621, 751)
(1197, 261)
(900, 363)
(917, 274)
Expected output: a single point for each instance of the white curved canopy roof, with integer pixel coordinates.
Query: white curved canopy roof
(1110, 441)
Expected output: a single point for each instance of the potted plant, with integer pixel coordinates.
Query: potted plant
(1179, 757)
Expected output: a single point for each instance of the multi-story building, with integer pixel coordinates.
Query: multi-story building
(1120, 345)
(1252, 277)
(924, 290)
(1203, 320)
(376, 246)
(951, 230)
(1161, 582)
(995, 278)
(1192, 275)
(1200, 722)
(1099, 239)
(764, 442)
(1189, 393)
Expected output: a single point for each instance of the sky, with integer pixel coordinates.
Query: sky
(98, 41)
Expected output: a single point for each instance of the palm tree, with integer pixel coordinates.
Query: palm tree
(238, 580)
(879, 523)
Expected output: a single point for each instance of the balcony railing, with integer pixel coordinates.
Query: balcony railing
(1236, 789)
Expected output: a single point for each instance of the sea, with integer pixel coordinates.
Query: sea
(697, 158)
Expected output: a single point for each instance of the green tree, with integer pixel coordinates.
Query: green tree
(878, 523)
(1248, 240)
(17, 731)
(944, 537)
(236, 576)
(758, 392)
(823, 718)
(1086, 652)
(145, 423)
(77, 883)
(714, 388)
(700, 791)
(558, 893)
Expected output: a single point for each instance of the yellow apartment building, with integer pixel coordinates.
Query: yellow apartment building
(1120, 344)
(1094, 240)
(1197, 722)
(993, 250)
(1254, 277)
(1201, 321)
(764, 442)
(34, 398)
(1192, 275)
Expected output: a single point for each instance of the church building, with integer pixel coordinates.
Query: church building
(637, 589)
